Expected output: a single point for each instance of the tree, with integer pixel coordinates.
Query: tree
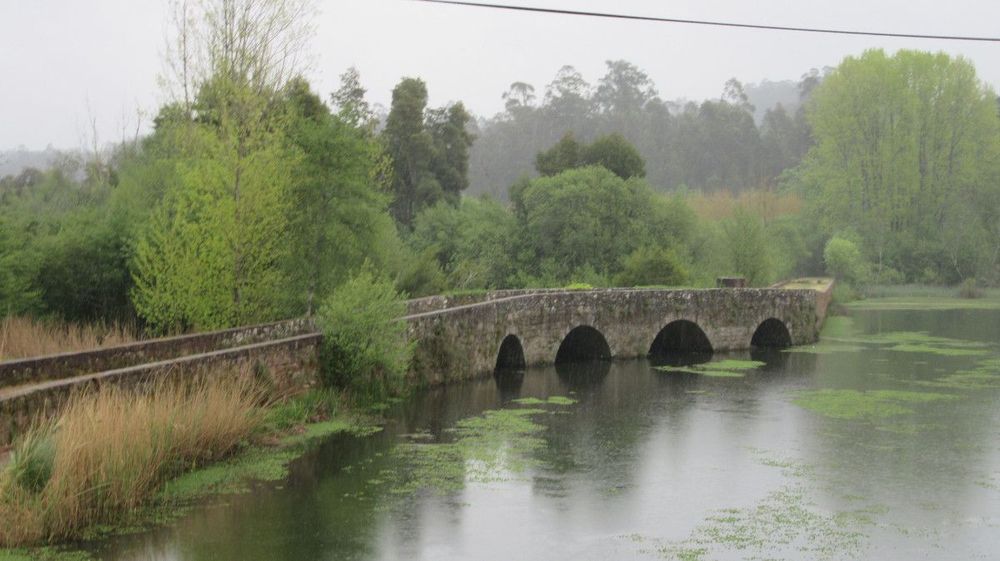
(340, 194)
(616, 154)
(452, 140)
(612, 152)
(746, 239)
(349, 101)
(566, 154)
(411, 148)
(587, 219)
(900, 140)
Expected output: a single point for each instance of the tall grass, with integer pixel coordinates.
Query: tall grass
(24, 337)
(723, 204)
(110, 450)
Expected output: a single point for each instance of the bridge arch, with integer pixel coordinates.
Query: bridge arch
(583, 343)
(771, 333)
(680, 336)
(511, 354)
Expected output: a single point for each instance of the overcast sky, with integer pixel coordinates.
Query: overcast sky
(64, 63)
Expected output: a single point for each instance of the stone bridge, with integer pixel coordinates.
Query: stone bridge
(456, 337)
(467, 338)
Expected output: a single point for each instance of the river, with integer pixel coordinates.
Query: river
(881, 442)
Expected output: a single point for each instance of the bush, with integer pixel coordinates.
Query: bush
(843, 260)
(970, 289)
(652, 266)
(364, 341)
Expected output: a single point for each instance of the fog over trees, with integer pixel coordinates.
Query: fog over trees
(256, 196)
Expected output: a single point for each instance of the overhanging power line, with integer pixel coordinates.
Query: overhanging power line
(714, 23)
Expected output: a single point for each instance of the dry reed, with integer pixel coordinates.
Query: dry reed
(722, 204)
(25, 337)
(110, 450)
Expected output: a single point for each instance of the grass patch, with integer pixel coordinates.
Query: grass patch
(990, 302)
(869, 405)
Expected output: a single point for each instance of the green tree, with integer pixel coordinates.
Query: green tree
(844, 261)
(561, 157)
(588, 219)
(339, 195)
(900, 140)
(747, 242)
(616, 154)
(411, 148)
(364, 340)
(650, 266)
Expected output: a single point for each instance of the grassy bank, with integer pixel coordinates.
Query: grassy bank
(115, 459)
(922, 297)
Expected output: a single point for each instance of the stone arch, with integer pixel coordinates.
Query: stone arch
(771, 333)
(583, 343)
(680, 336)
(511, 354)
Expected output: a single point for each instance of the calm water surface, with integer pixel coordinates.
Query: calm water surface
(649, 464)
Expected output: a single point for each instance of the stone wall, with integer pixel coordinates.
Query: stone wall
(67, 365)
(290, 365)
(463, 342)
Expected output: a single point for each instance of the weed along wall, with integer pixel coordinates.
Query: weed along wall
(287, 363)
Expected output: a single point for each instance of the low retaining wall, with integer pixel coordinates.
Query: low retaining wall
(68, 365)
(289, 363)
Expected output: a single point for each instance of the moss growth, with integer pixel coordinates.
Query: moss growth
(728, 368)
(870, 405)
(552, 400)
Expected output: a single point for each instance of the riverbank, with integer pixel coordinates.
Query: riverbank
(919, 297)
(142, 490)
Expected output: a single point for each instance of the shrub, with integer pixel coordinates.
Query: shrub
(364, 340)
(652, 266)
(843, 260)
(970, 289)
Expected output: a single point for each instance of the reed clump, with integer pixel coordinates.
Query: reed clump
(25, 337)
(110, 451)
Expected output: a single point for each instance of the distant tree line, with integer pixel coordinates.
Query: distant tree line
(712, 145)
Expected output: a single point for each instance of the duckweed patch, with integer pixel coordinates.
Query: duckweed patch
(728, 368)
(784, 525)
(551, 400)
(864, 405)
(495, 446)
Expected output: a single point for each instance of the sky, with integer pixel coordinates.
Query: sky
(71, 70)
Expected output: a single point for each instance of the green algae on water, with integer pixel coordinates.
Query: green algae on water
(551, 400)
(867, 405)
(495, 446)
(728, 368)
(46, 553)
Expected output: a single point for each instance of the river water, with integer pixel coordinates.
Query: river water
(882, 442)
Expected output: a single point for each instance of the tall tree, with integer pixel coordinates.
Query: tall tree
(411, 148)
(900, 140)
